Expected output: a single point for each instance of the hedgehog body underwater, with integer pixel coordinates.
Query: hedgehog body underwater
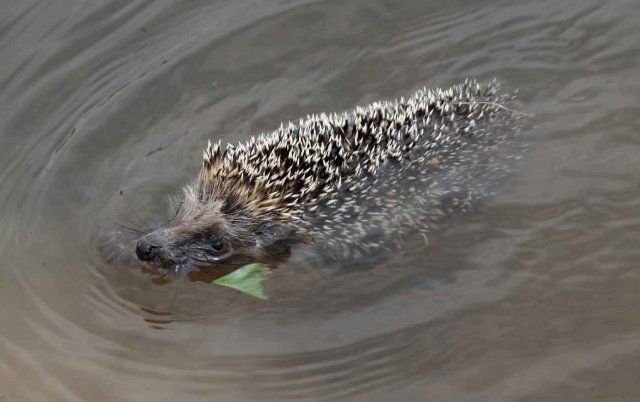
(348, 183)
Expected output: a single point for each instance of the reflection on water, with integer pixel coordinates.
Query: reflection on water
(106, 108)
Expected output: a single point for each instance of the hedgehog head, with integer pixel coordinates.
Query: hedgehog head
(224, 219)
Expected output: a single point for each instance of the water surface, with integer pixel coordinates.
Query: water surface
(105, 108)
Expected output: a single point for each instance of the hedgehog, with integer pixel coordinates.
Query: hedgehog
(348, 183)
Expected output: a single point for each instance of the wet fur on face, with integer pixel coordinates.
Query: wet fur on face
(208, 232)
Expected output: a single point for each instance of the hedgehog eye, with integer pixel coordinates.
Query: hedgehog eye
(218, 245)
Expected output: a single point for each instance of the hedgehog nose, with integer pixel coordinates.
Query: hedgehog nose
(146, 249)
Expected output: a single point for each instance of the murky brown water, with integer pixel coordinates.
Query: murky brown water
(535, 296)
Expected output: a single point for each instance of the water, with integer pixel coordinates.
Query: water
(106, 108)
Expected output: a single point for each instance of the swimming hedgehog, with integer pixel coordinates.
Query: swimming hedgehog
(347, 182)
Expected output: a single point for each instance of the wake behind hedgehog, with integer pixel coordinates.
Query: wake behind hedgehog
(344, 184)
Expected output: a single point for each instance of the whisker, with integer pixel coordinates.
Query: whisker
(126, 219)
(121, 226)
(140, 220)
(164, 224)
(177, 213)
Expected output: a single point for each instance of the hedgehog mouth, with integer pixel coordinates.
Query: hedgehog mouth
(171, 266)
(168, 270)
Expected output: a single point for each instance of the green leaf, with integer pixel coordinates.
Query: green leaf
(247, 279)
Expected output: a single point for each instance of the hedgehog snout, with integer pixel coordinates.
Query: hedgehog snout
(148, 248)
